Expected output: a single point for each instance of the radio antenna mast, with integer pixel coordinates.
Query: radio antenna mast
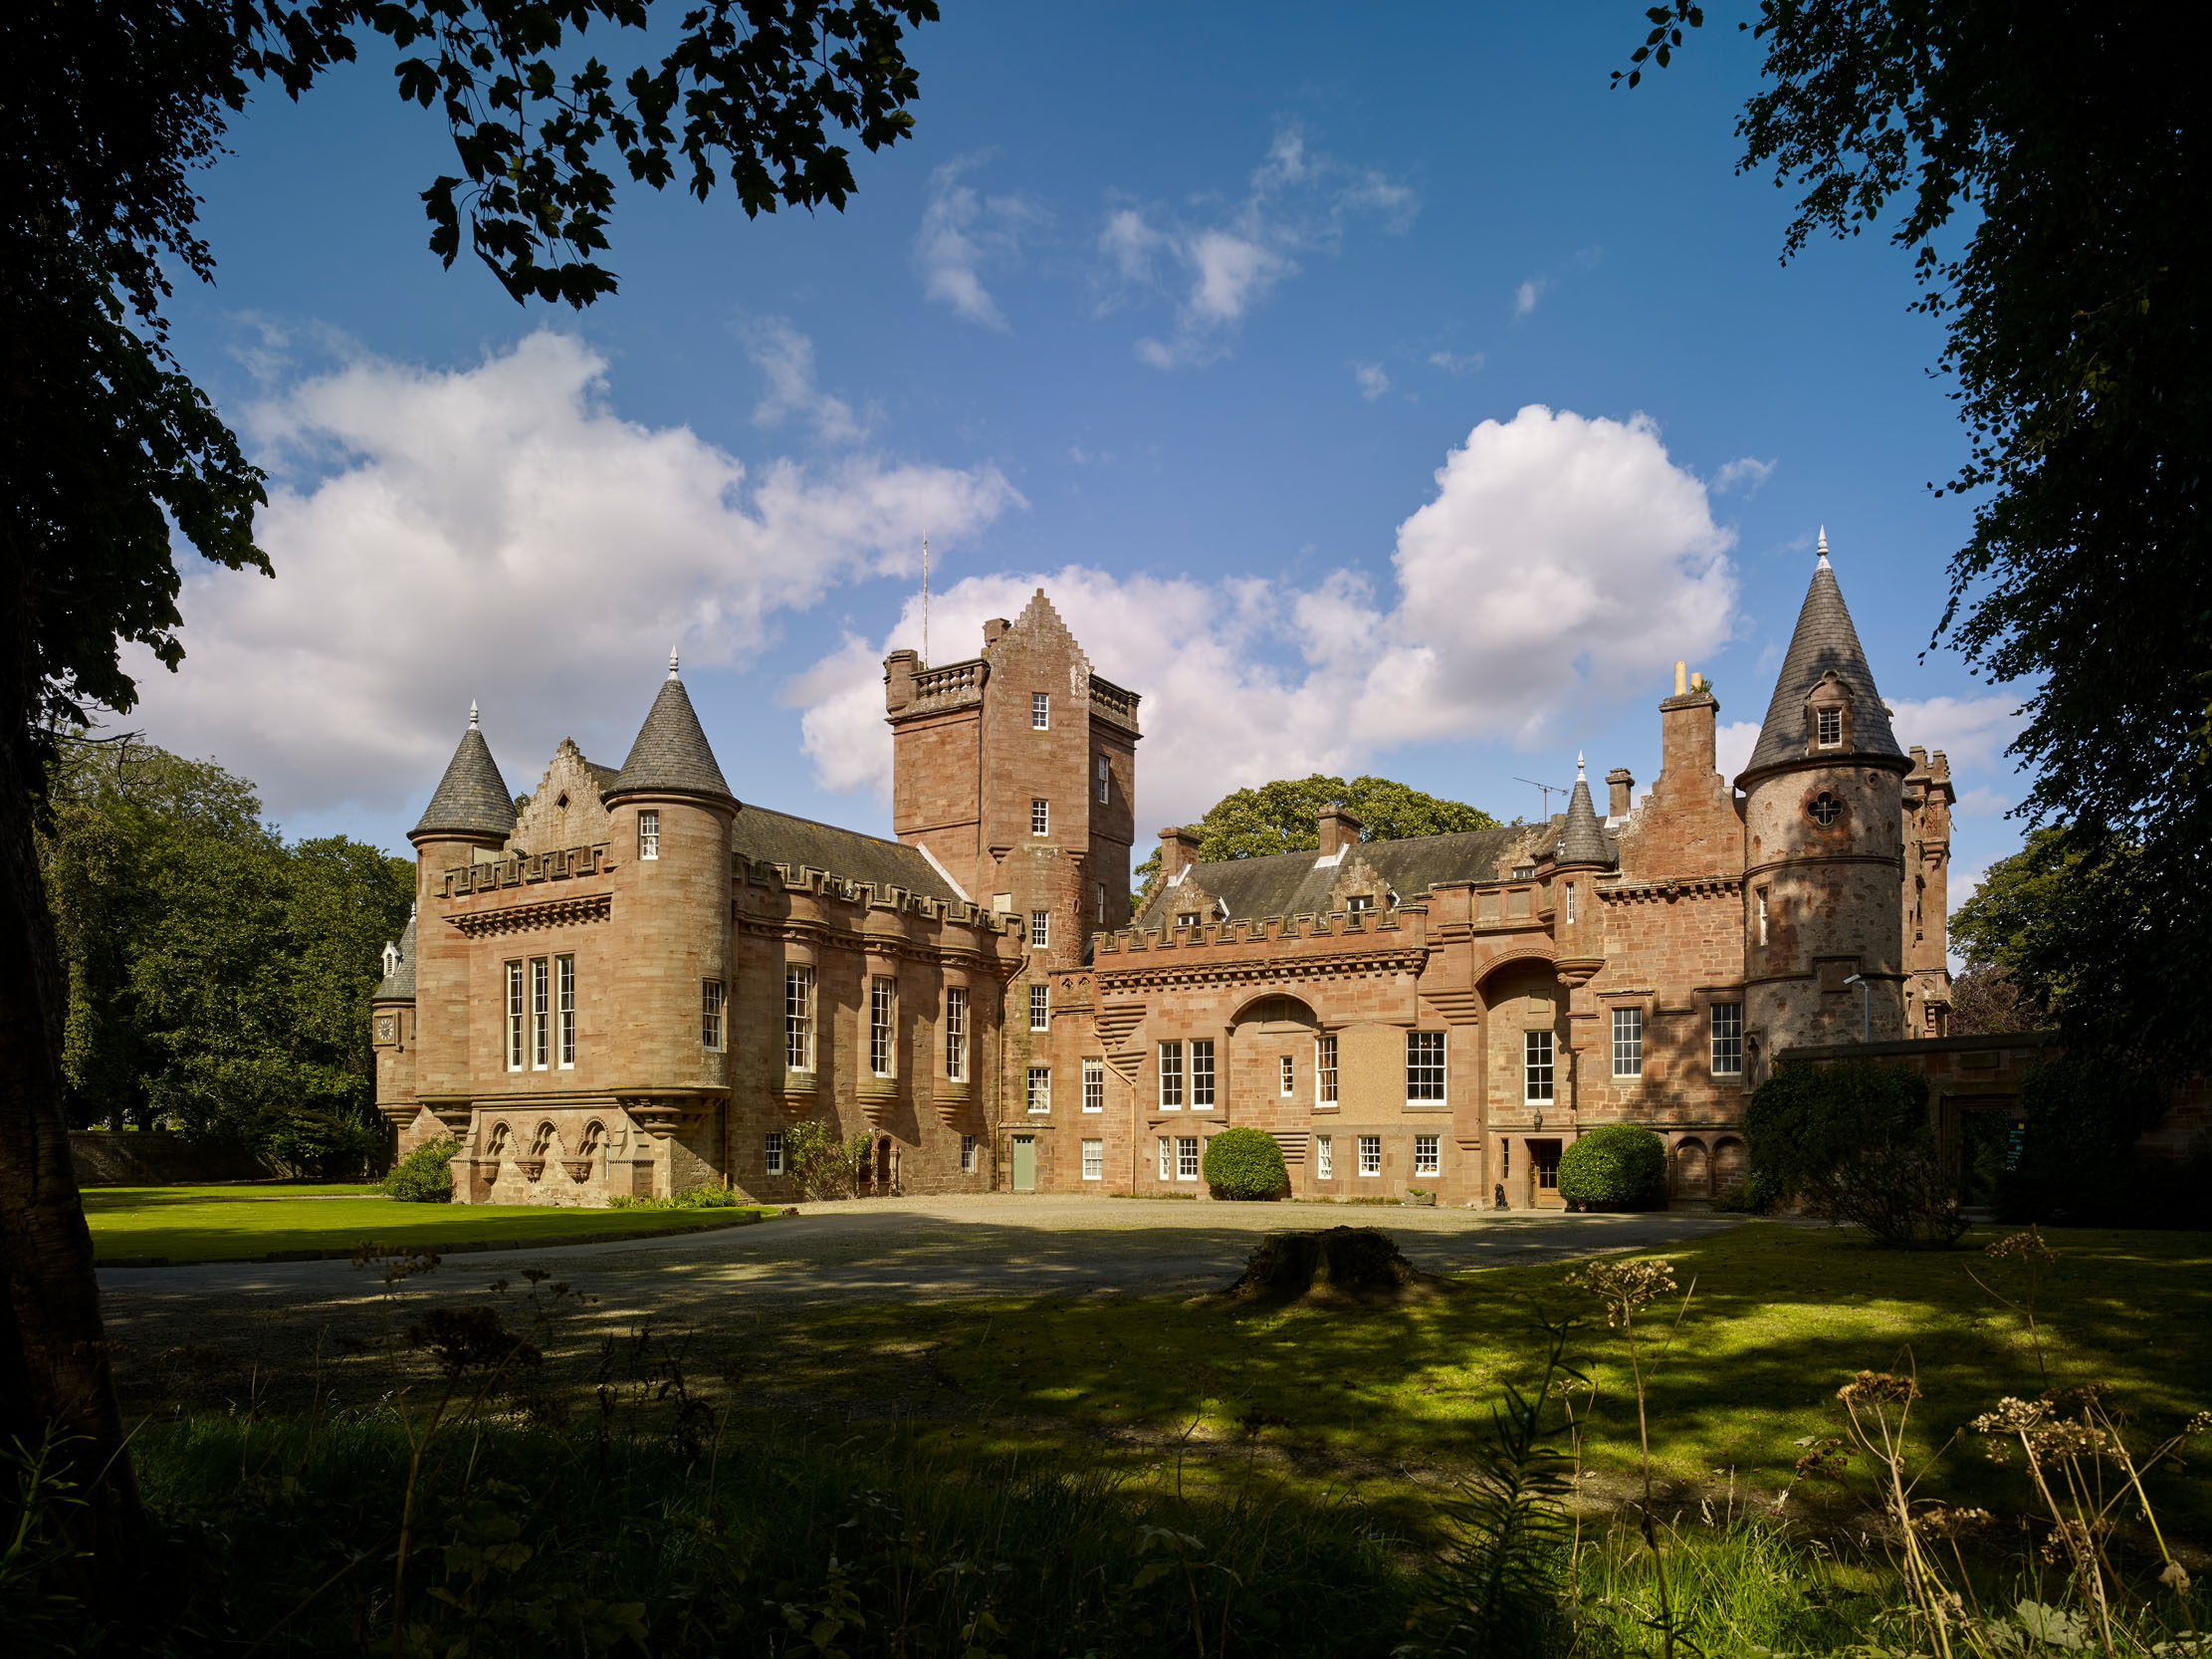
(1549, 790)
(925, 601)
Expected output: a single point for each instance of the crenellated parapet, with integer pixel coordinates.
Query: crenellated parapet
(524, 869)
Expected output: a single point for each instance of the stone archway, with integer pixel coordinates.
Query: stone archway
(1692, 1169)
(1731, 1164)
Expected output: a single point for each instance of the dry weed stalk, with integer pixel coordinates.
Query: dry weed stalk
(1624, 1288)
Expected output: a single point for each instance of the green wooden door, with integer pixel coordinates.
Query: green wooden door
(1024, 1163)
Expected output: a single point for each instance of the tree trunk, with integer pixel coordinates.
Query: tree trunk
(54, 1371)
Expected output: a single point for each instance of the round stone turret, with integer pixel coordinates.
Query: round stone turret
(1824, 940)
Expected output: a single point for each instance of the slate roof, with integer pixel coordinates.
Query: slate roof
(399, 984)
(670, 755)
(1581, 839)
(1825, 639)
(471, 798)
(1289, 883)
(779, 838)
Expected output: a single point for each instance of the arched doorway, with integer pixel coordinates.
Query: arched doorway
(1693, 1170)
(1731, 1164)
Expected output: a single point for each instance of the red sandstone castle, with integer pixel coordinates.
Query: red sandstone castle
(638, 985)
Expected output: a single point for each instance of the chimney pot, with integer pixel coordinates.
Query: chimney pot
(1681, 679)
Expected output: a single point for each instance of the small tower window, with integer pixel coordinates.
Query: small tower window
(1829, 724)
(649, 833)
(1826, 808)
(1040, 817)
(1105, 777)
(1040, 711)
(1762, 915)
(1570, 888)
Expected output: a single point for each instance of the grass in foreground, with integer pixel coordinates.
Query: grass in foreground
(233, 1224)
(1780, 1317)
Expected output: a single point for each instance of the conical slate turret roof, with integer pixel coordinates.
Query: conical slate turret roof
(1825, 640)
(670, 755)
(471, 798)
(1581, 840)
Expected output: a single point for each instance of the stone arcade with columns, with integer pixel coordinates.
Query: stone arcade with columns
(638, 985)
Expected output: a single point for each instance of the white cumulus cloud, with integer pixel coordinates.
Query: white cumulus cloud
(1370, 380)
(499, 533)
(1562, 561)
(1526, 295)
(962, 233)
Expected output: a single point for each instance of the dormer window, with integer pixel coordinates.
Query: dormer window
(1360, 902)
(1828, 726)
(1526, 872)
(1187, 918)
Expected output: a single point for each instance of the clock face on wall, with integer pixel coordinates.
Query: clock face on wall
(387, 1028)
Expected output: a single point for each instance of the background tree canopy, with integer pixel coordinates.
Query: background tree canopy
(216, 977)
(2046, 166)
(1283, 817)
(106, 452)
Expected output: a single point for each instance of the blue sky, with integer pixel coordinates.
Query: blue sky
(1372, 390)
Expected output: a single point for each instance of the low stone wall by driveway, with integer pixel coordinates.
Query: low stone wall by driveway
(156, 1159)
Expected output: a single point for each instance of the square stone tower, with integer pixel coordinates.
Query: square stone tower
(1014, 771)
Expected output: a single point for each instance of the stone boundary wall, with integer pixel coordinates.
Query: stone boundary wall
(157, 1158)
(1985, 1072)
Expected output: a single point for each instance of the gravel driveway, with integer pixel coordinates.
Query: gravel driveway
(872, 1251)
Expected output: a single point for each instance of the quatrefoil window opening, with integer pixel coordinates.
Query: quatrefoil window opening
(1826, 808)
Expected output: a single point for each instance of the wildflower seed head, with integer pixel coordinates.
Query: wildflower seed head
(2011, 1417)
(2175, 1579)
(1623, 1286)
(2022, 1247)
(1870, 1387)
(2201, 1423)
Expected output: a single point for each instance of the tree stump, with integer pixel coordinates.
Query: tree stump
(1362, 1263)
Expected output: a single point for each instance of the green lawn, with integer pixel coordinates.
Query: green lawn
(246, 1223)
(1781, 1316)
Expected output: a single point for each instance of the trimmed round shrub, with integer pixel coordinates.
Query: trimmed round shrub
(425, 1175)
(1246, 1163)
(1617, 1167)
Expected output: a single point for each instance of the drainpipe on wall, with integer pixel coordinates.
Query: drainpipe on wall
(1865, 1006)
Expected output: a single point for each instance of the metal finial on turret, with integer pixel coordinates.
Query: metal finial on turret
(472, 714)
(672, 662)
(1823, 544)
(1578, 767)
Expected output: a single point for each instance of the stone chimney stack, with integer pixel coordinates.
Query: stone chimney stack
(993, 629)
(1689, 737)
(1339, 829)
(1621, 782)
(1178, 851)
